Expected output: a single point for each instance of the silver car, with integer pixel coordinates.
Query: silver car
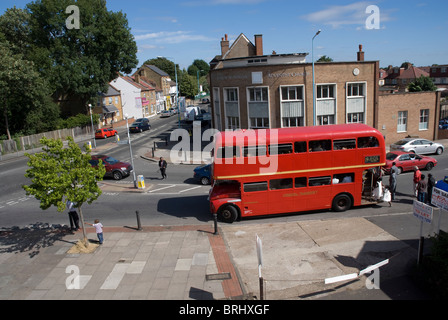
(417, 145)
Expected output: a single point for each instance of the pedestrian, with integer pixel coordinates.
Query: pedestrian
(99, 230)
(421, 189)
(162, 167)
(431, 184)
(393, 181)
(73, 216)
(417, 177)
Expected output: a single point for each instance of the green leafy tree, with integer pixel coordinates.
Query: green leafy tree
(24, 95)
(188, 85)
(422, 84)
(60, 174)
(80, 62)
(198, 65)
(325, 59)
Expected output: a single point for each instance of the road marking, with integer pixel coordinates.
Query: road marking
(189, 189)
(168, 186)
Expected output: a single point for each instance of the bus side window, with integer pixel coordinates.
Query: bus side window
(277, 184)
(300, 182)
(254, 151)
(344, 144)
(300, 146)
(319, 181)
(368, 142)
(320, 145)
(344, 178)
(255, 186)
(228, 152)
(280, 149)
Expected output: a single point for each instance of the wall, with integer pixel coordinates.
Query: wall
(391, 104)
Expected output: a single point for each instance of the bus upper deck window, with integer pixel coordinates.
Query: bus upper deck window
(344, 144)
(320, 145)
(300, 146)
(368, 142)
(280, 149)
(228, 152)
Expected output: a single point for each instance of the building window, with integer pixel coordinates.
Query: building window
(292, 106)
(424, 119)
(356, 102)
(258, 105)
(231, 107)
(326, 104)
(402, 121)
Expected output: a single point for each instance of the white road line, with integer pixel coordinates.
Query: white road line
(169, 186)
(189, 189)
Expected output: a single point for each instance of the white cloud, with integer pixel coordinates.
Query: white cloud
(172, 37)
(337, 16)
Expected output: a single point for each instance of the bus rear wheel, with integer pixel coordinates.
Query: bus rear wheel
(342, 202)
(227, 213)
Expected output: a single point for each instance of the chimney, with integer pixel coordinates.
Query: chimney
(258, 44)
(360, 53)
(224, 45)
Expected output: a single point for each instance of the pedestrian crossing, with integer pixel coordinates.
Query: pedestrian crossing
(176, 189)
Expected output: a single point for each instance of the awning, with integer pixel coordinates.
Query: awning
(110, 109)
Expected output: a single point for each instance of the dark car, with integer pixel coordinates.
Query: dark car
(114, 168)
(407, 161)
(203, 174)
(140, 125)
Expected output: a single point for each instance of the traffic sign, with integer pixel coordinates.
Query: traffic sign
(422, 211)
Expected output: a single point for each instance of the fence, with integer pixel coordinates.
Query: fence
(30, 142)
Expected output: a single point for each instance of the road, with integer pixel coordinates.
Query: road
(179, 200)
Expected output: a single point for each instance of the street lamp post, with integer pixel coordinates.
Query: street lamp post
(314, 86)
(130, 151)
(91, 121)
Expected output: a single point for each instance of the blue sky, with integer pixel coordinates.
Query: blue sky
(185, 30)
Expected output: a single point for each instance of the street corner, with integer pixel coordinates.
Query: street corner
(123, 186)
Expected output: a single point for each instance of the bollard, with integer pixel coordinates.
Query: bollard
(153, 152)
(215, 222)
(155, 146)
(166, 141)
(139, 225)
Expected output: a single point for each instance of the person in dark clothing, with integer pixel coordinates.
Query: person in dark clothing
(393, 180)
(73, 216)
(421, 189)
(431, 184)
(162, 167)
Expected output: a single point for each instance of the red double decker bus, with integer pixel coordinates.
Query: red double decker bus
(273, 171)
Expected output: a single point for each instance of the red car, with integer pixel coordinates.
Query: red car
(114, 168)
(407, 161)
(104, 133)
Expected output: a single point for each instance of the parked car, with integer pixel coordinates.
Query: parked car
(407, 161)
(104, 133)
(114, 168)
(140, 125)
(203, 174)
(419, 146)
(165, 114)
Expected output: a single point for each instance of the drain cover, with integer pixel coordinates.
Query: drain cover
(218, 276)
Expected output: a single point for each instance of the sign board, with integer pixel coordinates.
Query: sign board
(439, 198)
(422, 211)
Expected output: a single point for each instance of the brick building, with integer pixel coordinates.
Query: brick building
(251, 90)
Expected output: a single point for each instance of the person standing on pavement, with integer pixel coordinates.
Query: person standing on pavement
(73, 216)
(431, 184)
(393, 180)
(162, 167)
(417, 177)
(421, 189)
(98, 229)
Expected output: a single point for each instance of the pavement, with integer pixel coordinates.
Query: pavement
(193, 262)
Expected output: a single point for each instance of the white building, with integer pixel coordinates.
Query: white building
(130, 98)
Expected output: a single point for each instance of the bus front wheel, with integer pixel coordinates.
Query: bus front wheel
(227, 213)
(342, 202)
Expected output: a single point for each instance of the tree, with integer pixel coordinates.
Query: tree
(187, 84)
(198, 65)
(422, 84)
(59, 174)
(24, 95)
(80, 62)
(325, 59)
